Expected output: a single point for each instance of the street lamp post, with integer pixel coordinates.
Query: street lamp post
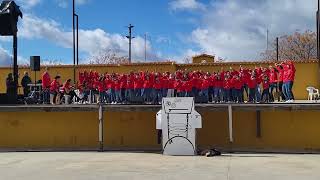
(75, 30)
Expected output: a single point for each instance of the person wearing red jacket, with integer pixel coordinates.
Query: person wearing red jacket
(237, 89)
(138, 85)
(100, 85)
(252, 85)
(171, 83)
(130, 89)
(280, 81)
(147, 89)
(55, 90)
(116, 83)
(194, 82)
(266, 88)
(227, 89)
(218, 86)
(178, 87)
(288, 80)
(165, 82)
(205, 84)
(46, 81)
(273, 79)
(157, 95)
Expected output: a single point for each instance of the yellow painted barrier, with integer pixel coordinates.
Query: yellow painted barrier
(289, 131)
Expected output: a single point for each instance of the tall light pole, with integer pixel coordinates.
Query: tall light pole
(318, 37)
(130, 27)
(75, 42)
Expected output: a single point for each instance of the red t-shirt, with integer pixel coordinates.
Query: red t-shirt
(54, 87)
(265, 84)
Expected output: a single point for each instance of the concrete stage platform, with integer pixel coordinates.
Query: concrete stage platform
(300, 105)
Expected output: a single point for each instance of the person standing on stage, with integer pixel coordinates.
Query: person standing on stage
(46, 81)
(26, 80)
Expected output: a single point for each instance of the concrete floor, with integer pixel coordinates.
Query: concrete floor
(114, 165)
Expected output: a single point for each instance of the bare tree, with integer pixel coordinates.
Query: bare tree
(187, 60)
(298, 46)
(108, 57)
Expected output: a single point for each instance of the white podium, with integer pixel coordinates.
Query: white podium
(178, 121)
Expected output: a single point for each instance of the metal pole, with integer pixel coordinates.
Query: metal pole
(318, 37)
(74, 45)
(15, 66)
(77, 27)
(130, 40)
(101, 128)
(230, 123)
(145, 47)
(277, 46)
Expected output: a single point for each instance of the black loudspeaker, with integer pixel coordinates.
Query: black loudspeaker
(35, 63)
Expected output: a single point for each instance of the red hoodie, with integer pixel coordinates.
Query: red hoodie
(252, 83)
(265, 84)
(273, 76)
(46, 80)
(205, 84)
(238, 84)
(289, 72)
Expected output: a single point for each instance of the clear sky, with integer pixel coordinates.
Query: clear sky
(232, 29)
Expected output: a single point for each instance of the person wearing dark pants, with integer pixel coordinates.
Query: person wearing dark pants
(26, 80)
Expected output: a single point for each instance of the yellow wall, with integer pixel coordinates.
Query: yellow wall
(281, 130)
(306, 75)
(37, 130)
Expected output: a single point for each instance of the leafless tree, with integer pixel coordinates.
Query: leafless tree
(298, 46)
(108, 57)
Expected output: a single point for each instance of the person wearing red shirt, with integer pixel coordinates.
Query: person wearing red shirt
(165, 81)
(130, 89)
(171, 83)
(123, 88)
(178, 87)
(252, 85)
(69, 90)
(273, 79)
(227, 89)
(157, 95)
(266, 86)
(46, 81)
(147, 89)
(194, 82)
(117, 89)
(288, 80)
(280, 81)
(188, 87)
(218, 95)
(101, 87)
(138, 85)
(55, 91)
(237, 89)
(205, 84)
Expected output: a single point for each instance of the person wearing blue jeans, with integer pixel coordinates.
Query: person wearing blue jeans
(287, 90)
(273, 86)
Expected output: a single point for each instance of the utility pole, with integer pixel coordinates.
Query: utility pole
(130, 27)
(277, 46)
(318, 37)
(145, 47)
(267, 39)
(75, 41)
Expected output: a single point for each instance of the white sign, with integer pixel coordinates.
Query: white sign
(178, 121)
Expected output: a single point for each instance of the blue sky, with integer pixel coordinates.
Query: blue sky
(231, 29)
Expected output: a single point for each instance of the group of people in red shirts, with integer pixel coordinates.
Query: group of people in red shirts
(254, 85)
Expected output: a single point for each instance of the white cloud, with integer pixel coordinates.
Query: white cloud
(5, 57)
(65, 3)
(28, 3)
(186, 5)
(90, 41)
(236, 29)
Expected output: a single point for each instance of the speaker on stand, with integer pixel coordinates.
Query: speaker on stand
(35, 66)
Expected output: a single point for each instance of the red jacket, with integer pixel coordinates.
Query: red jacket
(138, 83)
(265, 84)
(157, 84)
(289, 73)
(281, 73)
(54, 87)
(252, 83)
(227, 84)
(205, 84)
(46, 80)
(273, 76)
(238, 84)
(171, 83)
